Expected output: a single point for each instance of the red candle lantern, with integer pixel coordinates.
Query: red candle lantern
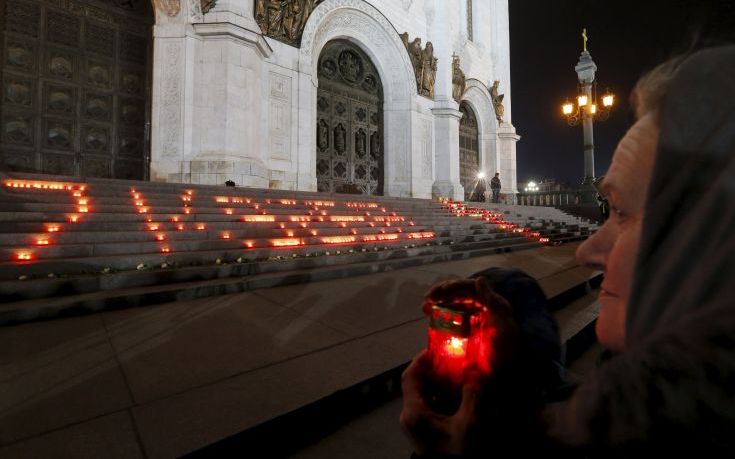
(461, 340)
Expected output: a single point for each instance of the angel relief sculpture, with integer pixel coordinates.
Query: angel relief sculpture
(424, 64)
(284, 20)
(497, 101)
(458, 79)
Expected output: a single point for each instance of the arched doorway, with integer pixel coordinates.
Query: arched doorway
(76, 87)
(349, 133)
(469, 153)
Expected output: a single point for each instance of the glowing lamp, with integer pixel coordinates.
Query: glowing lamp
(53, 229)
(544, 239)
(83, 209)
(73, 218)
(461, 339)
(249, 244)
(180, 227)
(175, 219)
(200, 227)
(228, 211)
(480, 175)
(582, 100)
(77, 194)
(153, 227)
(187, 211)
(593, 109)
(42, 241)
(225, 235)
(567, 108)
(165, 250)
(160, 237)
(608, 99)
(24, 256)
(143, 210)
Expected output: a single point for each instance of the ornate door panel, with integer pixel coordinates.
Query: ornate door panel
(349, 123)
(76, 87)
(469, 153)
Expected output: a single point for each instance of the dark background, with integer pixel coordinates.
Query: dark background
(626, 38)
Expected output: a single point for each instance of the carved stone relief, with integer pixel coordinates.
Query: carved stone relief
(280, 116)
(424, 64)
(207, 5)
(458, 80)
(171, 97)
(497, 101)
(284, 20)
(426, 157)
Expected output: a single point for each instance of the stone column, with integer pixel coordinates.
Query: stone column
(174, 49)
(446, 109)
(226, 142)
(446, 123)
(506, 148)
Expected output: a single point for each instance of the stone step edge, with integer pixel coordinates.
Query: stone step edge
(87, 303)
(320, 418)
(43, 266)
(70, 281)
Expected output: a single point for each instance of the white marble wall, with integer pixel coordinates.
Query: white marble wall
(232, 104)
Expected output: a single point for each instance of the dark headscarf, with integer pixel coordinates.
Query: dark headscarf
(686, 261)
(673, 389)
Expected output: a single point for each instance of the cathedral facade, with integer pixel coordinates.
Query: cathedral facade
(389, 97)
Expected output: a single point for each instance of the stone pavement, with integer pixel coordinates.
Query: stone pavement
(164, 380)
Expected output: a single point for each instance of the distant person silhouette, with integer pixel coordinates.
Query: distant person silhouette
(495, 187)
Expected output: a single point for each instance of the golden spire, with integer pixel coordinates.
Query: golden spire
(584, 39)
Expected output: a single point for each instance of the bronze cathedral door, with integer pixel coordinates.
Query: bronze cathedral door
(469, 153)
(76, 87)
(349, 134)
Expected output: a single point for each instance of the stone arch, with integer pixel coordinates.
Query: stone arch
(477, 96)
(362, 24)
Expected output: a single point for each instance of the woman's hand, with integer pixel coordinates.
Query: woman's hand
(431, 432)
(453, 434)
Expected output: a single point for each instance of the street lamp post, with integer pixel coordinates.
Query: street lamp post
(587, 108)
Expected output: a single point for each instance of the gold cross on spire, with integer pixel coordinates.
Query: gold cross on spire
(584, 39)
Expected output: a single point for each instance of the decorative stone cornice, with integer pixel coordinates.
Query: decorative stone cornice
(226, 29)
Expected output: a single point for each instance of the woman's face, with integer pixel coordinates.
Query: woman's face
(614, 247)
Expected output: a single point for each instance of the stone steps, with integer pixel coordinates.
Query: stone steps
(44, 298)
(196, 239)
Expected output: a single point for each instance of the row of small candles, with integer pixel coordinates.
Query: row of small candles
(82, 207)
(496, 218)
(315, 214)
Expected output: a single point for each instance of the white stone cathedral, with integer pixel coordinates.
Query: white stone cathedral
(232, 103)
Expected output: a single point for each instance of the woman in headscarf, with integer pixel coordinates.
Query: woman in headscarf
(667, 300)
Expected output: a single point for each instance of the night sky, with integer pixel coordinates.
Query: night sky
(626, 38)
